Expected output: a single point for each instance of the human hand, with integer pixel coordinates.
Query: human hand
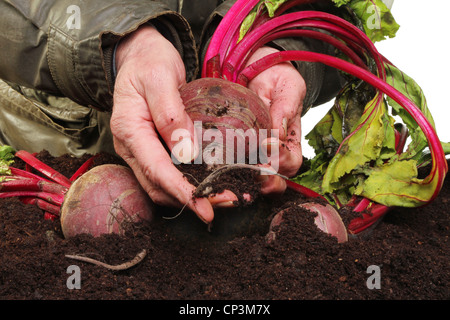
(282, 89)
(147, 109)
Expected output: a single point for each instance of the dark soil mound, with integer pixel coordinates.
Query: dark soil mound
(233, 260)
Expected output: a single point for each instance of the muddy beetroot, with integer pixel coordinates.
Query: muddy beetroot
(234, 113)
(327, 219)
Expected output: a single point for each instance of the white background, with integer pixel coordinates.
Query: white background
(421, 49)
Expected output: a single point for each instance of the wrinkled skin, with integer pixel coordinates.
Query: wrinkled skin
(148, 108)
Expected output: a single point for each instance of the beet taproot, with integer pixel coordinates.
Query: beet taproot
(104, 200)
(234, 120)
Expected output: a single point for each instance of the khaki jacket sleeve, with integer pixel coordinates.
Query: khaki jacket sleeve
(66, 47)
(323, 83)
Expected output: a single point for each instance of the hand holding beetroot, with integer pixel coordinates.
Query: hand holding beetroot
(148, 109)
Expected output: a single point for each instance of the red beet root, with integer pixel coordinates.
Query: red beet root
(233, 110)
(104, 200)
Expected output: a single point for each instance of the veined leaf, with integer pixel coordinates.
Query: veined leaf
(412, 90)
(376, 17)
(372, 139)
(395, 184)
(269, 5)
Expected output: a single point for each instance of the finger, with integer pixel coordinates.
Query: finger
(287, 99)
(290, 153)
(142, 149)
(158, 196)
(225, 199)
(170, 118)
(273, 184)
(161, 170)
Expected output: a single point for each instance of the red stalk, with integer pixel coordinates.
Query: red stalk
(362, 205)
(400, 139)
(303, 190)
(374, 213)
(32, 185)
(83, 169)
(313, 19)
(53, 198)
(52, 210)
(229, 25)
(227, 33)
(26, 174)
(237, 60)
(43, 168)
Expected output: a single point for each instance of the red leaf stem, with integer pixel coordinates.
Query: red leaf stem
(303, 190)
(43, 168)
(373, 214)
(227, 28)
(26, 174)
(52, 210)
(236, 60)
(55, 199)
(83, 168)
(319, 20)
(32, 185)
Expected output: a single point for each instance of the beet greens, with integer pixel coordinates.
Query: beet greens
(361, 151)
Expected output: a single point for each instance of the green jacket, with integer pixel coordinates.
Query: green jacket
(64, 48)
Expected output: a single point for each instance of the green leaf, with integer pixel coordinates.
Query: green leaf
(326, 134)
(395, 184)
(412, 90)
(312, 178)
(6, 159)
(375, 16)
(446, 147)
(264, 5)
(373, 138)
(273, 5)
(341, 2)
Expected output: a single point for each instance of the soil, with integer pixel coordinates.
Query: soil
(233, 260)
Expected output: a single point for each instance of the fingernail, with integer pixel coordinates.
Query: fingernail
(272, 147)
(225, 204)
(185, 151)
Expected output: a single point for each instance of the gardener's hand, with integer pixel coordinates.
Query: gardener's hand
(283, 89)
(147, 108)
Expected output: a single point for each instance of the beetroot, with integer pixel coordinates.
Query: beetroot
(105, 199)
(235, 119)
